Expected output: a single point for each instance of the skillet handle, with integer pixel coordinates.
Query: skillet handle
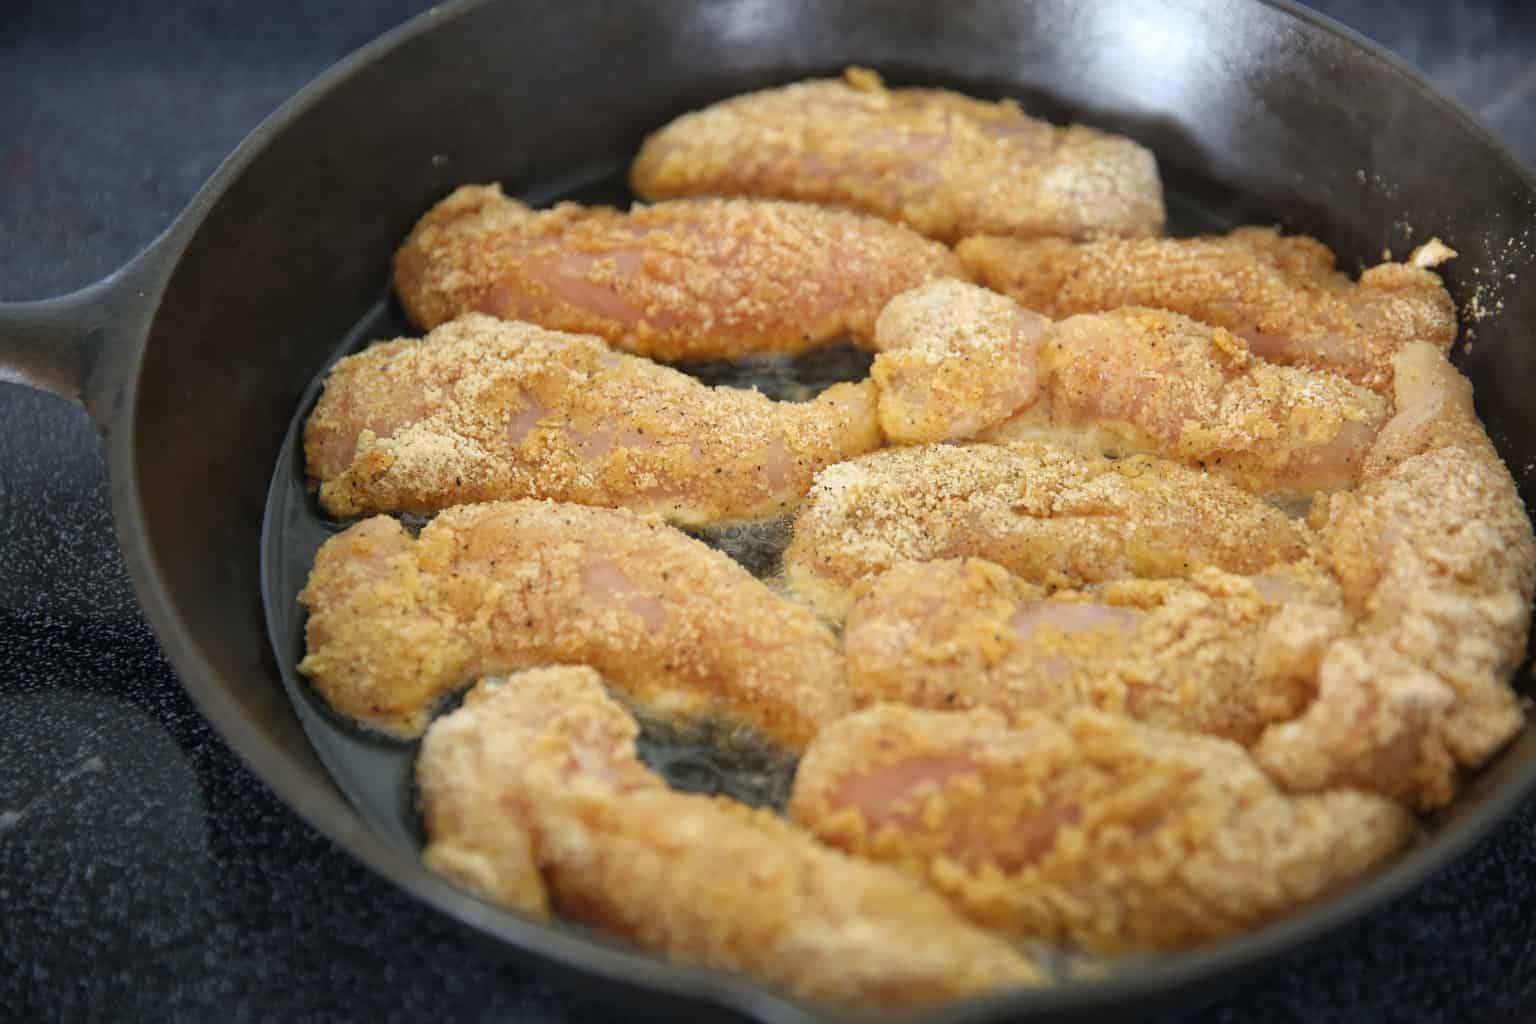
(78, 345)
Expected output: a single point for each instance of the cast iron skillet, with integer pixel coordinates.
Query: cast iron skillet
(193, 358)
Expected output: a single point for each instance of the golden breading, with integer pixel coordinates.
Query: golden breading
(954, 359)
(534, 798)
(1435, 555)
(1218, 654)
(397, 622)
(946, 164)
(1056, 516)
(704, 279)
(1281, 294)
(1144, 380)
(476, 817)
(483, 409)
(1094, 829)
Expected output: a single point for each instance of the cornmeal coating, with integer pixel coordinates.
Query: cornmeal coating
(1218, 654)
(1093, 828)
(1145, 380)
(397, 622)
(948, 165)
(954, 360)
(1279, 293)
(701, 279)
(1059, 517)
(1435, 556)
(534, 798)
(483, 409)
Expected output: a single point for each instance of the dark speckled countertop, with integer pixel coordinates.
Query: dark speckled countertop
(145, 874)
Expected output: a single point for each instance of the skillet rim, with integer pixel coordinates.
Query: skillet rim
(327, 810)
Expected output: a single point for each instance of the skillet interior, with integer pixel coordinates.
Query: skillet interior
(1263, 117)
(376, 773)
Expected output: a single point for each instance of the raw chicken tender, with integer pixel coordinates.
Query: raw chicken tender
(397, 622)
(1217, 653)
(1058, 517)
(946, 164)
(954, 360)
(1143, 380)
(534, 798)
(704, 279)
(1280, 294)
(483, 409)
(1093, 828)
(1435, 555)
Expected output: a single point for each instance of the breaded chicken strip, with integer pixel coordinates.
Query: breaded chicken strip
(1218, 654)
(954, 360)
(1280, 294)
(1434, 553)
(958, 361)
(705, 279)
(1144, 380)
(1095, 829)
(483, 409)
(1056, 516)
(948, 165)
(534, 798)
(398, 622)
